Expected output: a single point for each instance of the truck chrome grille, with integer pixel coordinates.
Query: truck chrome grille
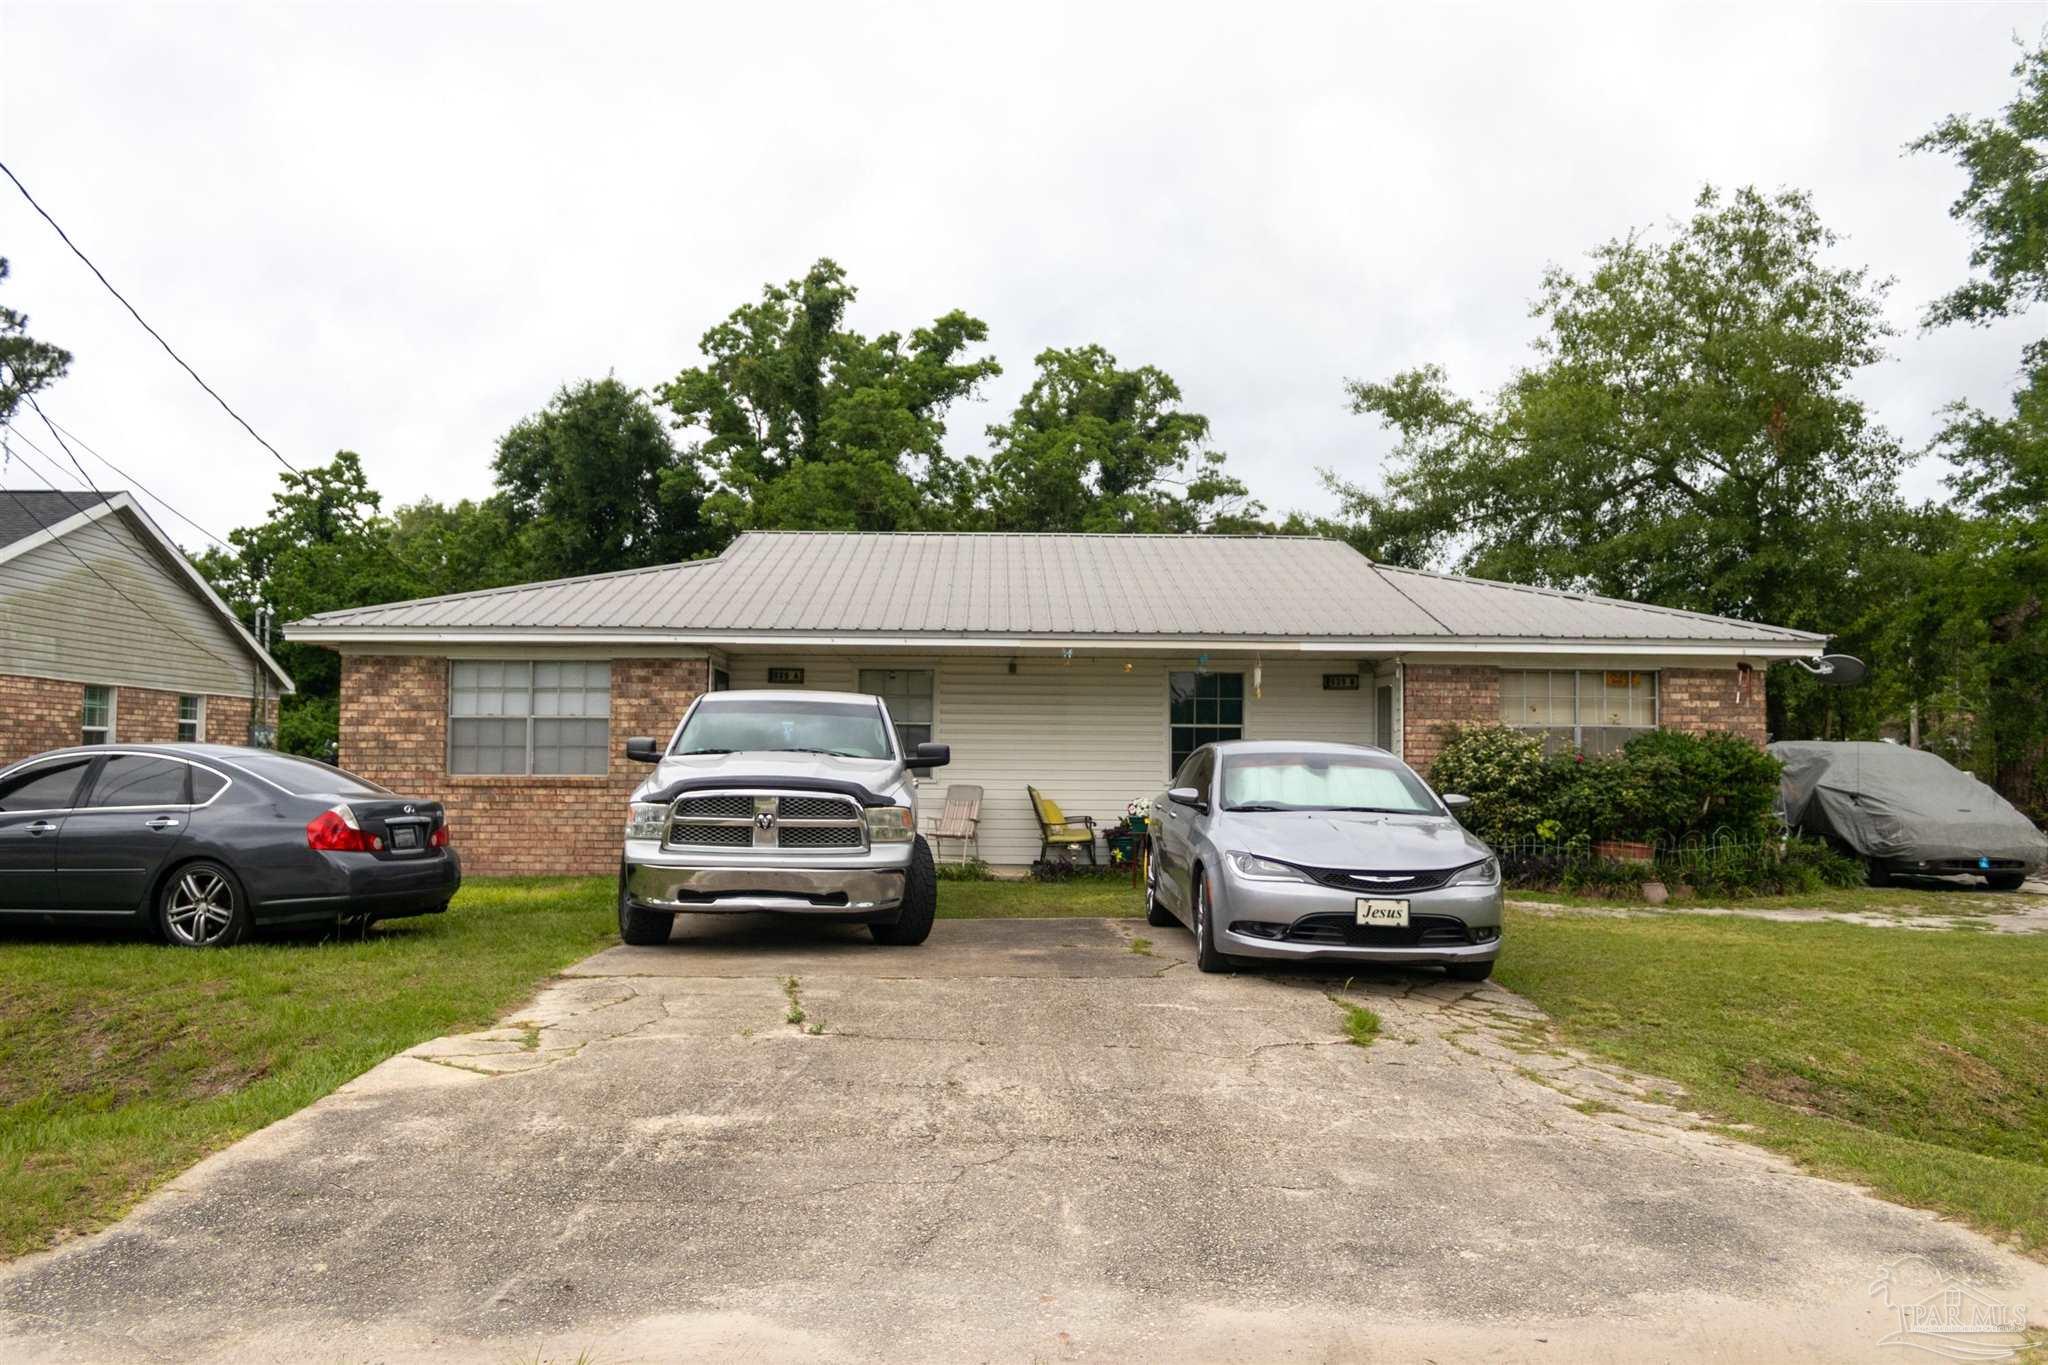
(766, 820)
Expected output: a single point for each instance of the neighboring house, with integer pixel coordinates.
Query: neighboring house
(1085, 665)
(108, 634)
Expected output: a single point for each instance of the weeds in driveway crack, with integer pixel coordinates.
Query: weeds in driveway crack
(1361, 1025)
(795, 1015)
(1142, 947)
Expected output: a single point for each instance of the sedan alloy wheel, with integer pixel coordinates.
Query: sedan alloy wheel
(200, 909)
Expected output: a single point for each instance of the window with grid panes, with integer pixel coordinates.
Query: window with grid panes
(517, 717)
(1586, 710)
(907, 692)
(1203, 708)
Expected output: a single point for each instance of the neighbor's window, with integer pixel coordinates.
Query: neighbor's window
(1593, 712)
(98, 727)
(510, 717)
(191, 719)
(907, 692)
(1205, 709)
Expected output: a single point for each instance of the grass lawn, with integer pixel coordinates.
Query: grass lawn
(1924, 898)
(1907, 1062)
(123, 1062)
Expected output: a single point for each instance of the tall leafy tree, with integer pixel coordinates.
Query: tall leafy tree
(1686, 436)
(1093, 446)
(808, 424)
(1993, 578)
(324, 546)
(27, 366)
(593, 483)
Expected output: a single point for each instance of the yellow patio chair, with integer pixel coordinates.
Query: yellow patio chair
(1055, 830)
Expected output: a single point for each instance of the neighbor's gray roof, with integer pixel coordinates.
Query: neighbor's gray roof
(25, 512)
(1060, 586)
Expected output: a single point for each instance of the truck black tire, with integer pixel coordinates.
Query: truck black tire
(920, 902)
(642, 928)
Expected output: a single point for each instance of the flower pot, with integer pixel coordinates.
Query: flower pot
(1137, 824)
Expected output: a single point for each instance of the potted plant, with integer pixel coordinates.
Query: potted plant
(1136, 813)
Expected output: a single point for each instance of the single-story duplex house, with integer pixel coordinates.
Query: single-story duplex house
(108, 634)
(1084, 665)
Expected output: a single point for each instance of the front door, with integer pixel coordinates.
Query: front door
(113, 846)
(34, 804)
(1383, 718)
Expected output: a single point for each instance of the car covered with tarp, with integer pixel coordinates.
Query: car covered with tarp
(1906, 812)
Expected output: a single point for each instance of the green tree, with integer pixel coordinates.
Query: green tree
(27, 366)
(593, 483)
(1095, 447)
(324, 546)
(807, 424)
(462, 546)
(1686, 437)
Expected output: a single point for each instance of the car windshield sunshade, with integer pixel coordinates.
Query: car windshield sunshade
(1888, 801)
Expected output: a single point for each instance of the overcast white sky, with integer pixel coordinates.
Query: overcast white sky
(398, 229)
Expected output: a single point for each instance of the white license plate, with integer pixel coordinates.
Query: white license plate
(1383, 914)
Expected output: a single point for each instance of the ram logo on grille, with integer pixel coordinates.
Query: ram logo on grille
(765, 820)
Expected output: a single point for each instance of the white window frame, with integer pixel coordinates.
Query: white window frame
(1579, 724)
(528, 717)
(896, 723)
(198, 720)
(107, 731)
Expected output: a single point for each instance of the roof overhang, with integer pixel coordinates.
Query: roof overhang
(167, 549)
(425, 639)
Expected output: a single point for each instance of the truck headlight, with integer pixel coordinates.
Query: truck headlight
(1264, 869)
(644, 820)
(1485, 872)
(890, 825)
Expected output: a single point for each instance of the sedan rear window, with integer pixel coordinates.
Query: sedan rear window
(306, 776)
(1323, 781)
(848, 729)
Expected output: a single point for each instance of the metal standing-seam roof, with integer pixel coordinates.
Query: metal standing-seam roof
(817, 583)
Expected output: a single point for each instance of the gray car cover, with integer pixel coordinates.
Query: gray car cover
(1888, 801)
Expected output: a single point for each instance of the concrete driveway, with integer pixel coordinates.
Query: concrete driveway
(1024, 1141)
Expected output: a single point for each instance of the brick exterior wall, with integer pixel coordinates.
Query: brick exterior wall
(1701, 699)
(394, 731)
(1436, 697)
(47, 713)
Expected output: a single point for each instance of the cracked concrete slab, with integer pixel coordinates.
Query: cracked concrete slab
(1024, 1140)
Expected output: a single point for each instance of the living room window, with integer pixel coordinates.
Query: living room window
(907, 692)
(515, 717)
(191, 719)
(1584, 710)
(97, 726)
(1203, 708)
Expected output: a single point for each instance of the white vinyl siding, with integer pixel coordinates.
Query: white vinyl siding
(513, 716)
(1086, 733)
(57, 620)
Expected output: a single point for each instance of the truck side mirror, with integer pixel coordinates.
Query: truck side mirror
(643, 749)
(928, 756)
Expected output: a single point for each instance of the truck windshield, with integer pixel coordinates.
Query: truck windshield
(1322, 781)
(843, 728)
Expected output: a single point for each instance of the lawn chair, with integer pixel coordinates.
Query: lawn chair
(1055, 830)
(959, 819)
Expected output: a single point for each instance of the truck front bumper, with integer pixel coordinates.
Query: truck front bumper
(864, 886)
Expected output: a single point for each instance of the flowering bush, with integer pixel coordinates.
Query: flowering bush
(1139, 809)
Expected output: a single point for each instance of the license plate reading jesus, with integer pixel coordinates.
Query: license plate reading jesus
(1383, 914)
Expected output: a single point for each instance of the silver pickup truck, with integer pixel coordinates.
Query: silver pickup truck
(797, 803)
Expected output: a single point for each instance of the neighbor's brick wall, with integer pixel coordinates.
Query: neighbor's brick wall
(48, 713)
(1437, 697)
(394, 731)
(1702, 699)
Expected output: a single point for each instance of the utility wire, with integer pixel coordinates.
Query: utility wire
(381, 542)
(113, 587)
(60, 431)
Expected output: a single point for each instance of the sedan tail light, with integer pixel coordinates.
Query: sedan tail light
(439, 838)
(336, 831)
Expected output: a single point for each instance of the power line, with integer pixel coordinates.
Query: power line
(111, 586)
(60, 431)
(381, 542)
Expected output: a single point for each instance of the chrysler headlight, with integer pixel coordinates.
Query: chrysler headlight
(890, 825)
(1485, 872)
(1264, 869)
(644, 820)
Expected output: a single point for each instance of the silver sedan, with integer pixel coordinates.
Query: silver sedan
(1291, 849)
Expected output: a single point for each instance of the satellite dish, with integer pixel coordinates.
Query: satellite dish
(1834, 670)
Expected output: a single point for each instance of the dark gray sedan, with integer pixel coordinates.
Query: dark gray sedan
(1309, 851)
(202, 842)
